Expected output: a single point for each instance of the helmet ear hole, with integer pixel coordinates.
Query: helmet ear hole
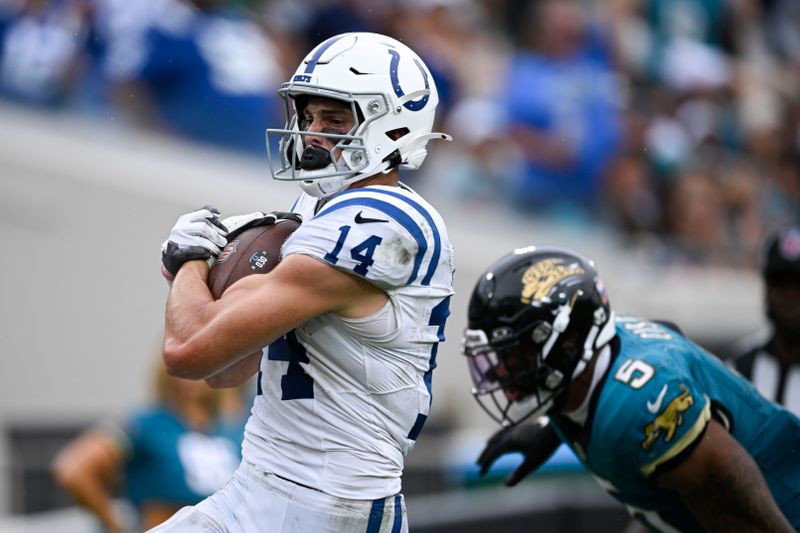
(398, 133)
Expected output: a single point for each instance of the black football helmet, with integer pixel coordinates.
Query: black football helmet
(781, 272)
(536, 317)
(782, 255)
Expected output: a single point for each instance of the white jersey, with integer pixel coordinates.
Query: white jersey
(341, 401)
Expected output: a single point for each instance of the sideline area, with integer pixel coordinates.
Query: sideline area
(84, 208)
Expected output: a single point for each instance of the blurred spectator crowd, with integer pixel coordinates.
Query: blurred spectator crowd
(676, 122)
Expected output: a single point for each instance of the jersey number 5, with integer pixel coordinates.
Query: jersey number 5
(635, 373)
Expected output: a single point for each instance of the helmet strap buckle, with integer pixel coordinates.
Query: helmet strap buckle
(553, 379)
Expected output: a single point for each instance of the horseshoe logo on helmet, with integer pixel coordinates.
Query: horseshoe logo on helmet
(412, 105)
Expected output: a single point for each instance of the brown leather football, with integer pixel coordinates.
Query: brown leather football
(256, 250)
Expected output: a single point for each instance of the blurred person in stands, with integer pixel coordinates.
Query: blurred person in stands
(201, 70)
(41, 50)
(343, 333)
(562, 99)
(481, 161)
(771, 360)
(665, 427)
(327, 19)
(113, 24)
(631, 196)
(173, 453)
(451, 37)
(694, 216)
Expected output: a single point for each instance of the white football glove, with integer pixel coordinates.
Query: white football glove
(239, 223)
(196, 235)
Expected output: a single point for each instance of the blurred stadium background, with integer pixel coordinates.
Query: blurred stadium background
(673, 127)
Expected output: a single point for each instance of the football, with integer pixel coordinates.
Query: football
(256, 250)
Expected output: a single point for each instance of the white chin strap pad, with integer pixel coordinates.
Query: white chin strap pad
(560, 323)
(319, 188)
(596, 338)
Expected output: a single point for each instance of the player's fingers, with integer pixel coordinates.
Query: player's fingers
(210, 208)
(207, 232)
(485, 468)
(235, 222)
(217, 238)
(212, 246)
(486, 454)
(216, 221)
(207, 215)
(288, 215)
(487, 458)
(522, 470)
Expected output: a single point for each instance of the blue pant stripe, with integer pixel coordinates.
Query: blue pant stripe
(397, 525)
(376, 516)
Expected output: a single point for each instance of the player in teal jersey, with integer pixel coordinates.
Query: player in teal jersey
(177, 450)
(669, 431)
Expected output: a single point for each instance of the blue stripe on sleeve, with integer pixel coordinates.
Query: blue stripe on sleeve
(396, 213)
(437, 242)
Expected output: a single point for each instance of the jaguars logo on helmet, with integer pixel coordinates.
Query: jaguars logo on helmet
(535, 318)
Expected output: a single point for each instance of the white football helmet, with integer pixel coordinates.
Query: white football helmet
(390, 91)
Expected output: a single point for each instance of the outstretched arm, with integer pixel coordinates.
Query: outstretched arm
(723, 488)
(86, 468)
(536, 440)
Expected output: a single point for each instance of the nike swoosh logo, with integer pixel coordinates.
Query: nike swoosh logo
(366, 220)
(654, 407)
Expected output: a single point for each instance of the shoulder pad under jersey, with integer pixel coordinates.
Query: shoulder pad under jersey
(387, 235)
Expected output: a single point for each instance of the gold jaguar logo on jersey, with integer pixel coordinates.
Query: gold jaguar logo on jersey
(669, 420)
(543, 276)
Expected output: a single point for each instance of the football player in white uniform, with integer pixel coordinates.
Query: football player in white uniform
(350, 319)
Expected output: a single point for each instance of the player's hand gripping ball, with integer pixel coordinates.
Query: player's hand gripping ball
(253, 248)
(196, 235)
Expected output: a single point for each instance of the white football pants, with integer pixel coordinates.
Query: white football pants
(256, 502)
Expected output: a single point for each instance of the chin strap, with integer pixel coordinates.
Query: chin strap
(560, 324)
(598, 336)
(580, 414)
